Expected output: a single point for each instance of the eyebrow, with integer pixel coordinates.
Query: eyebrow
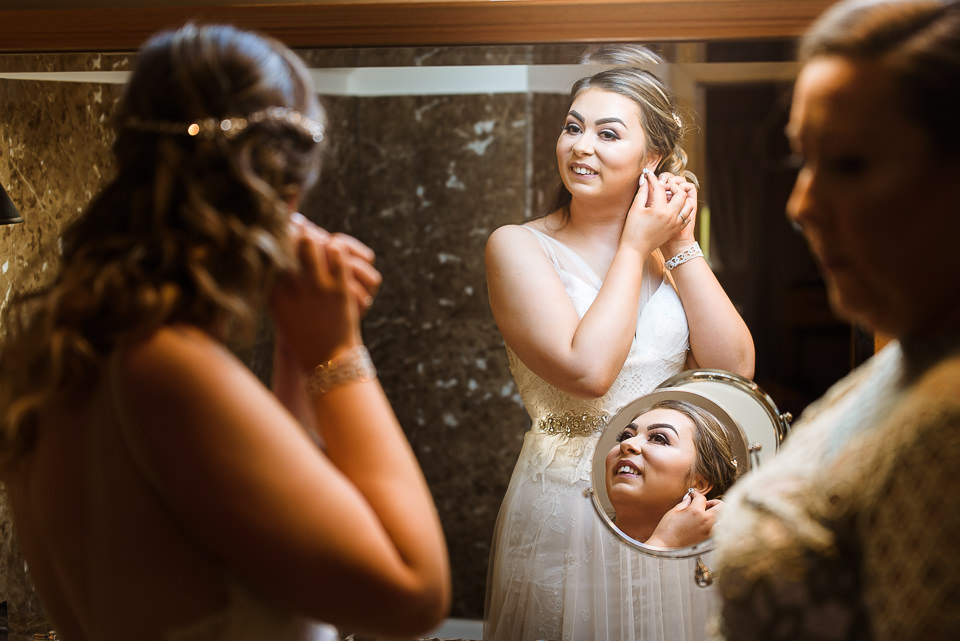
(655, 426)
(601, 121)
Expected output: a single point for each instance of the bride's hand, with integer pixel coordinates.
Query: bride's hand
(688, 523)
(655, 216)
(365, 279)
(679, 185)
(317, 307)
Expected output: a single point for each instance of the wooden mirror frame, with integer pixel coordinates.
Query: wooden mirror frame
(384, 23)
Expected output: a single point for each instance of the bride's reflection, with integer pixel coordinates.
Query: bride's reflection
(665, 460)
(666, 472)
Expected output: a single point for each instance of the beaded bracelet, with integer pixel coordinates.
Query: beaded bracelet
(351, 366)
(689, 253)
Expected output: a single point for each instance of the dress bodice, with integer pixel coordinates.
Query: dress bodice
(556, 570)
(659, 345)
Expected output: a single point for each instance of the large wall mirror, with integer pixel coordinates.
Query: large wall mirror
(443, 118)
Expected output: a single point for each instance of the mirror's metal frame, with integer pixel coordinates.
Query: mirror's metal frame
(383, 23)
(676, 387)
(598, 469)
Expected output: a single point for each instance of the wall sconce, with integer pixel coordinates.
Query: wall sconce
(8, 212)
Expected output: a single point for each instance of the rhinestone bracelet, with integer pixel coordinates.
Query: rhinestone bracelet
(689, 253)
(351, 366)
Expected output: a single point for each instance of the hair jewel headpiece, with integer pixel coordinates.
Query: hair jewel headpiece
(229, 127)
(677, 120)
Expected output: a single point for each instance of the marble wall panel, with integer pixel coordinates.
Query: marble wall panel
(423, 181)
(54, 155)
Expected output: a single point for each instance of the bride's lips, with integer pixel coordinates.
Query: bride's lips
(589, 173)
(626, 468)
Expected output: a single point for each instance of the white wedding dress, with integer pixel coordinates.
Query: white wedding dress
(556, 571)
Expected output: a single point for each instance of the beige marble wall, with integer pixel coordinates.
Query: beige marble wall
(54, 154)
(421, 179)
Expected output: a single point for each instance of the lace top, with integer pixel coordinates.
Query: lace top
(851, 531)
(659, 347)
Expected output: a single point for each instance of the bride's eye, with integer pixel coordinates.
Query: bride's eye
(658, 437)
(625, 434)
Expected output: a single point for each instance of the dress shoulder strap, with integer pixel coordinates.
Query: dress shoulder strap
(564, 259)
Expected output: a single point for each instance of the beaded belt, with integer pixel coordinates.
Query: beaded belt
(573, 423)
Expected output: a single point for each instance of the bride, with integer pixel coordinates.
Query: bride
(592, 318)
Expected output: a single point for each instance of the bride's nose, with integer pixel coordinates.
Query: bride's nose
(583, 146)
(630, 446)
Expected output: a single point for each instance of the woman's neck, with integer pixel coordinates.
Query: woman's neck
(636, 526)
(595, 223)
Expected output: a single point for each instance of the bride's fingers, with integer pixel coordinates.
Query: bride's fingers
(657, 189)
(312, 263)
(300, 224)
(356, 247)
(366, 276)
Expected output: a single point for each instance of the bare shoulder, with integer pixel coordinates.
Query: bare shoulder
(509, 235)
(511, 243)
(182, 382)
(175, 359)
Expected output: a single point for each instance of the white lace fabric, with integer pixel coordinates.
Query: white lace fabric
(556, 571)
(851, 531)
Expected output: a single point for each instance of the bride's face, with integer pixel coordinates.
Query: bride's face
(602, 147)
(653, 463)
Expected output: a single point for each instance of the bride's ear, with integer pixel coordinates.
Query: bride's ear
(652, 162)
(700, 484)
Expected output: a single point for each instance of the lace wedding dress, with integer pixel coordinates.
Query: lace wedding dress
(556, 571)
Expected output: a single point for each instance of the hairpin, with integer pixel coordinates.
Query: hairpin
(229, 127)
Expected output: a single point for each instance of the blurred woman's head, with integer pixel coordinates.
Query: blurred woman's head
(217, 138)
(874, 121)
(673, 446)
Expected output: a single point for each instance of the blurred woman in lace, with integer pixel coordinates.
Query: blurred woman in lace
(593, 317)
(159, 490)
(851, 531)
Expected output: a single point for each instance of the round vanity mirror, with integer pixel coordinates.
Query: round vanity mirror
(734, 419)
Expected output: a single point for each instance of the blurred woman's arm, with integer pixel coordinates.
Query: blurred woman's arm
(352, 536)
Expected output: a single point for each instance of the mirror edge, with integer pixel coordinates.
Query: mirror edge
(384, 23)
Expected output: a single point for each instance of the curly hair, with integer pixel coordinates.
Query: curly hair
(192, 229)
(662, 124)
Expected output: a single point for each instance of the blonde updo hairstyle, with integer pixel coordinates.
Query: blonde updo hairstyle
(659, 115)
(192, 229)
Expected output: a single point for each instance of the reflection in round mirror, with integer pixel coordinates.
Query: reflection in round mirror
(753, 427)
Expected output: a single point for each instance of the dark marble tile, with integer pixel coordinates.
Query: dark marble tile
(423, 181)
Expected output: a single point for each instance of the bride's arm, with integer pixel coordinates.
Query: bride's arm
(581, 356)
(719, 338)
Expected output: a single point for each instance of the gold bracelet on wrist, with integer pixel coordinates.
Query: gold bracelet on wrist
(352, 366)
